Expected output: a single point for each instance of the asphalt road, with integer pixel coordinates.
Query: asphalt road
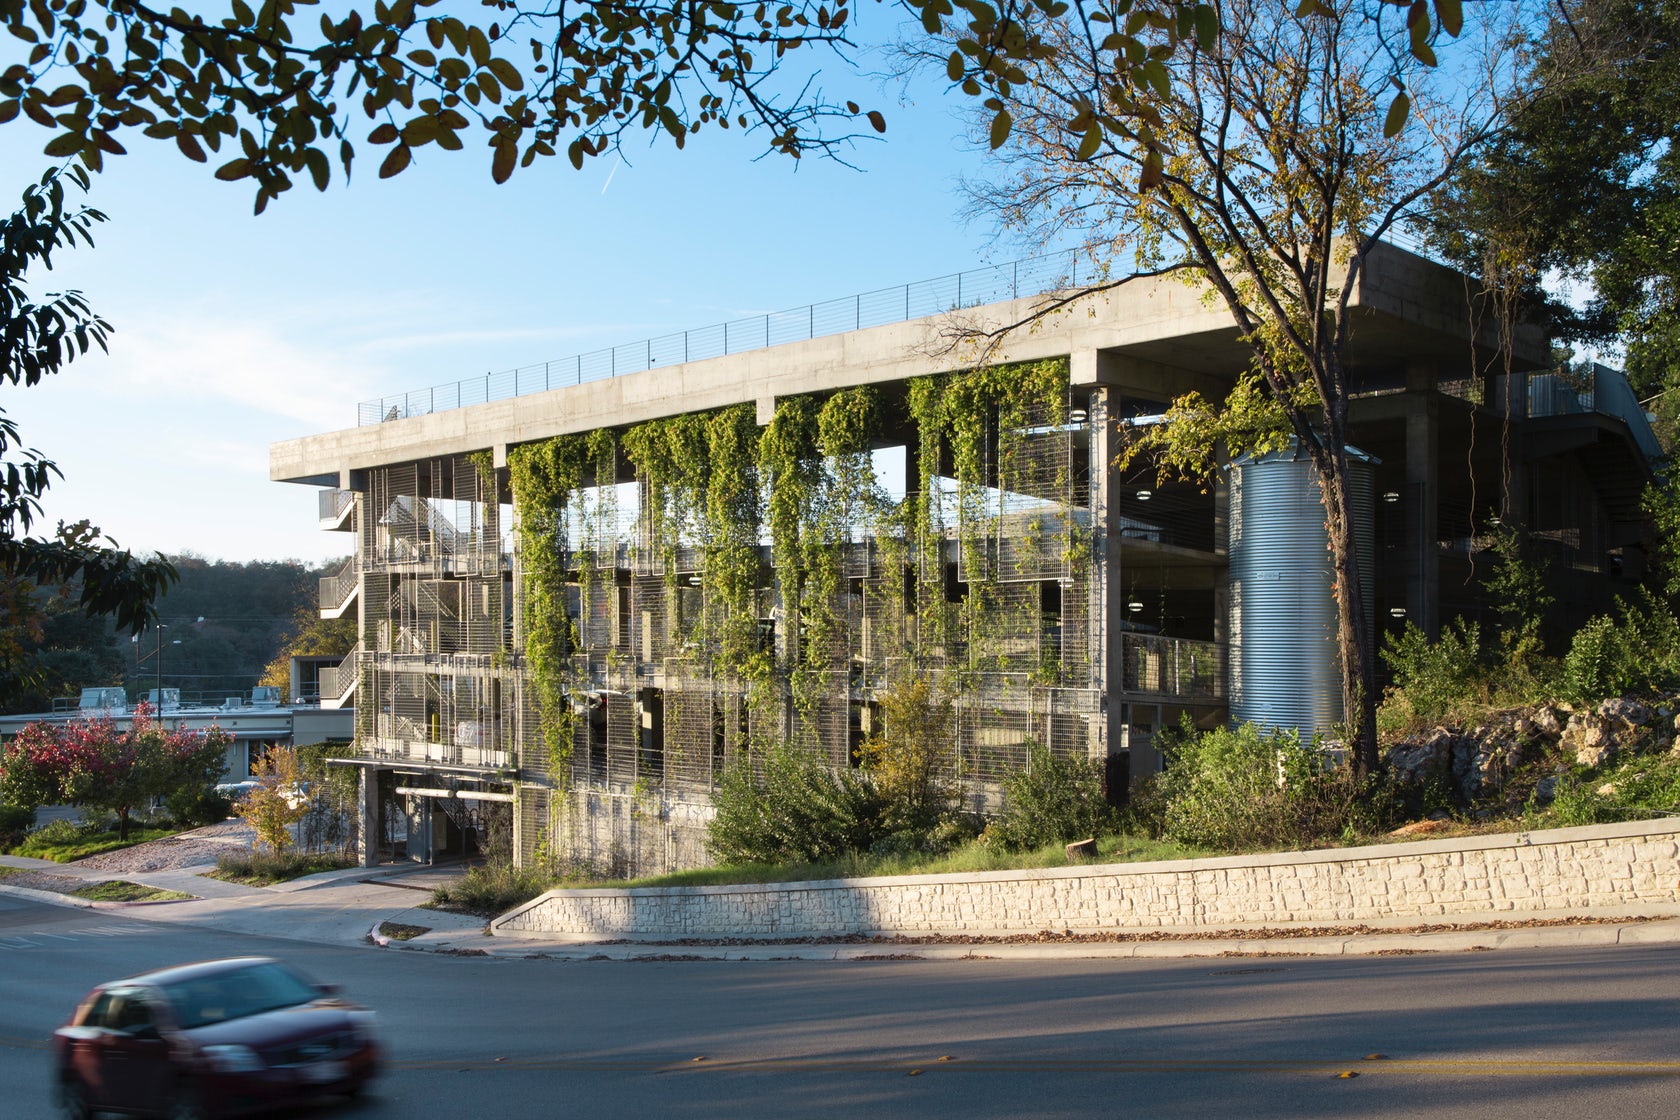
(1535, 1035)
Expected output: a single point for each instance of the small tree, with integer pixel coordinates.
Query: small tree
(912, 761)
(28, 767)
(278, 801)
(92, 764)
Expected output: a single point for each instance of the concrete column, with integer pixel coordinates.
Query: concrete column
(1513, 503)
(1107, 593)
(367, 787)
(1421, 500)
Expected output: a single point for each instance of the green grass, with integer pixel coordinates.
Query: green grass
(262, 869)
(120, 890)
(970, 857)
(491, 890)
(67, 851)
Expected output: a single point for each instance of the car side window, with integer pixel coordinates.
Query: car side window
(132, 1013)
(102, 1012)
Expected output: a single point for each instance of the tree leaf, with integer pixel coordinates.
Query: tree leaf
(1152, 175)
(319, 169)
(64, 144)
(877, 121)
(1398, 110)
(188, 143)
(1091, 142)
(502, 162)
(507, 74)
(1451, 15)
(395, 162)
(1001, 124)
(1207, 27)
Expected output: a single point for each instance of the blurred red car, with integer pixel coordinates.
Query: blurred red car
(218, 1038)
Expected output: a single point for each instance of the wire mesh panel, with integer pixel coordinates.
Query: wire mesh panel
(984, 591)
(532, 825)
(992, 735)
(688, 735)
(648, 597)
(623, 738)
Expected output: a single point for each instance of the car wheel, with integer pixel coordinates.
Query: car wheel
(73, 1100)
(185, 1103)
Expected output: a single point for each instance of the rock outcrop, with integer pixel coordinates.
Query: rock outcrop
(1520, 752)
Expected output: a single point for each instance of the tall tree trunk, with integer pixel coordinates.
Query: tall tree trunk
(1359, 704)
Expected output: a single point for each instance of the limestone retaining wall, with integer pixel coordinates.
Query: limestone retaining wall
(1600, 867)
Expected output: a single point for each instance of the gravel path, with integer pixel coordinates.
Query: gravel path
(173, 853)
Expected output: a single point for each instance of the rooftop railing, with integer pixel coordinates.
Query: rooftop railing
(1029, 277)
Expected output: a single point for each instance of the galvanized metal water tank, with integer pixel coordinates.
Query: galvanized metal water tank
(1285, 663)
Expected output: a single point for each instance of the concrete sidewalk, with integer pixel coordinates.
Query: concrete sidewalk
(348, 907)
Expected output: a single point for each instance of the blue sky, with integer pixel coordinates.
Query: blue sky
(234, 331)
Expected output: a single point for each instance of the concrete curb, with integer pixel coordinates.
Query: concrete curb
(1665, 931)
(57, 898)
(51, 898)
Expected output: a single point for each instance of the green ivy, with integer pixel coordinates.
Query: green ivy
(711, 480)
(974, 414)
(544, 477)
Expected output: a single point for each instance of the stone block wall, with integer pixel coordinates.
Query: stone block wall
(1598, 868)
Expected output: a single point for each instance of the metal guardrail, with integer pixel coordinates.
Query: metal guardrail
(1176, 667)
(334, 502)
(1600, 391)
(336, 680)
(1031, 276)
(337, 588)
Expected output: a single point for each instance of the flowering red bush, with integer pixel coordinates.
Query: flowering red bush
(92, 764)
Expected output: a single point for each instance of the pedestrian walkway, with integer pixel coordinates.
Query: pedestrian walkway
(350, 906)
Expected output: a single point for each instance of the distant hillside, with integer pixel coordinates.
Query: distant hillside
(222, 623)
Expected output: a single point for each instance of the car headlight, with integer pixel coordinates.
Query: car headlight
(233, 1059)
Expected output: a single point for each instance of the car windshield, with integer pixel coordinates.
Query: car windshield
(234, 995)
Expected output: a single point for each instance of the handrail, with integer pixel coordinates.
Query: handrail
(337, 588)
(1026, 277)
(333, 502)
(336, 680)
(1181, 667)
(1029, 276)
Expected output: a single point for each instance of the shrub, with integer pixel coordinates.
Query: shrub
(1637, 653)
(192, 806)
(912, 763)
(493, 889)
(277, 802)
(262, 868)
(792, 807)
(1434, 682)
(15, 822)
(1054, 800)
(1643, 786)
(1244, 789)
(60, 831)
